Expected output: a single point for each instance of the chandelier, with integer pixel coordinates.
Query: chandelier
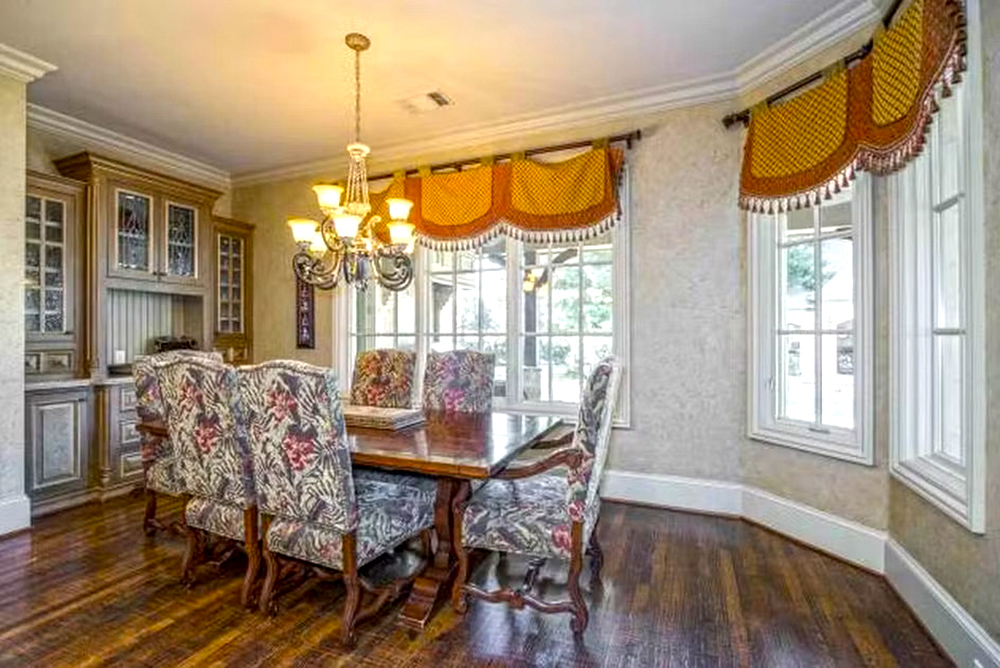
(344, 244)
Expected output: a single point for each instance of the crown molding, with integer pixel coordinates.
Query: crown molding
(97, 138)
(837, 23)
(606, 110)
(22, 66)
(826, 30)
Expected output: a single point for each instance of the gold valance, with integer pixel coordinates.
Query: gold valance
(872, 116)
(535, 201)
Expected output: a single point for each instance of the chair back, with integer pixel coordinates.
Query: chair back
(206, 425)
(299, 443)
(383, 377)
(593, 434)
(149, 403)
(459, 380)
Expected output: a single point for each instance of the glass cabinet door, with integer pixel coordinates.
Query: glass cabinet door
(230, 262)
(182, 223)
(133, 232)
(45, 266)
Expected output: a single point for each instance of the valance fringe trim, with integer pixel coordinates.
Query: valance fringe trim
(505, 228)
(877, 149)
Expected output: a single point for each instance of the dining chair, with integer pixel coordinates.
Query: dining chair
(384, 377)
(157, 453)
(207, 426)
(459, 380)
(314, 511)
(531, 511)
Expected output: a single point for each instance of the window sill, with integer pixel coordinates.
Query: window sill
(848, 452)
(945, 491)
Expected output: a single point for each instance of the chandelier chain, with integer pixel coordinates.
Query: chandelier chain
(357, 96)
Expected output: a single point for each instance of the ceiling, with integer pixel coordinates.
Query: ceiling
(247, 85)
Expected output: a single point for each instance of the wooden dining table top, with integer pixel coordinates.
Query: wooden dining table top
(461, 445)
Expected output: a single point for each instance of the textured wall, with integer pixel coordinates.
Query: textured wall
(966, 564)
(268, 206)
(12, 161)
(688, 320)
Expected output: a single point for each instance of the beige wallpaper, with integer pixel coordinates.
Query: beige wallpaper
(12, 184)
(968, 565)
(268, 207)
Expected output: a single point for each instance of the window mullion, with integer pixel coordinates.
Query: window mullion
(818, 320)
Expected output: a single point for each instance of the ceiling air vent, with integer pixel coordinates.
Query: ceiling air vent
(419, 104)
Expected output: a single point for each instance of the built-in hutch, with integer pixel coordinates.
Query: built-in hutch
(115, 258)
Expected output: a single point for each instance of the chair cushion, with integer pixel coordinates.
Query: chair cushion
(388, 515)
(527, 516)
(223, 519)
(162, 476)
(422, 483)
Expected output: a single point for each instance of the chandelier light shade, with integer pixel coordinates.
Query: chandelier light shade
(344, 244)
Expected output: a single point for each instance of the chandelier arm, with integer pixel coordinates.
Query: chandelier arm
(315, 272)
(400, 275)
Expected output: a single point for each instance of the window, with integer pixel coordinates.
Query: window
(549, 312)
(810, 334)
(937, 428)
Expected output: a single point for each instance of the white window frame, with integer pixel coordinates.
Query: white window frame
(343, 314)
(957, 488)
(853, 445)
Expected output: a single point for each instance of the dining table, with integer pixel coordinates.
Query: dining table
(455, 449)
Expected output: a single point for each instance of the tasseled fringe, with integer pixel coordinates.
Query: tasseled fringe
(527, 236)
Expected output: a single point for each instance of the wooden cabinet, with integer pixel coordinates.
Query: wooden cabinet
(122, 464)
(58, 439)
(53, 276)
(234, 290)
(149, 250)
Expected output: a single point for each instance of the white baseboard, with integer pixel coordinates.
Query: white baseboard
(669, 491)
(846, 539)
(15, 514)
(954, 629)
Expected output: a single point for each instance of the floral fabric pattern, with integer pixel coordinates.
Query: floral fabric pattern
(149, 407)
(384, 378)
(527, 516)
(205, 420)
(389, 515)
(422, 483)
(299, 442)
(535, 515)
(459, 380)
(222, 519)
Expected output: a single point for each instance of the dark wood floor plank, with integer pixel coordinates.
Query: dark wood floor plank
(86, 588)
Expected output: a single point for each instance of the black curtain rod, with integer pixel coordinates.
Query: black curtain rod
(628, 139)
(744, 116)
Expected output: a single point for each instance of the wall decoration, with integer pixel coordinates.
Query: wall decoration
(305, 315)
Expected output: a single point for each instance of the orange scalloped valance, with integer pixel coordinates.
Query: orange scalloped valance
(872, 116)
(535, 201)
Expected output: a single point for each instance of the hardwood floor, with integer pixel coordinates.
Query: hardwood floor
(86, 587)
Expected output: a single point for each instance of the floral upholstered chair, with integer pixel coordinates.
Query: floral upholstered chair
(383, 377)
(158, 460)
(313, 510)
(207, 427)
(544, 515)
(459, 380)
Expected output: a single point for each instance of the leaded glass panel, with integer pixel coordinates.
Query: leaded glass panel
(44, 265)
(133, 231)
(180, 240)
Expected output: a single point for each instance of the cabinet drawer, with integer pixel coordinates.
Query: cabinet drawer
(130, 465)
(127, 399)
(128, 433)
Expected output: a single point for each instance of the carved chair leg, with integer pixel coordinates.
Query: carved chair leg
(252, 546)
(596, 557)
(352, 585)
(192, 555)
(459, 600)
(271, 577)
(580, 615)
(427, 543)
(149, 521)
